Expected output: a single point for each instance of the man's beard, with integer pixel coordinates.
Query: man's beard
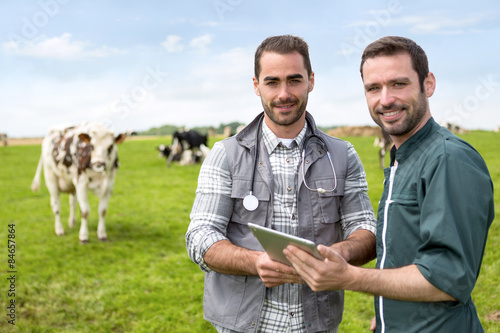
(409, 122)
(285, 121)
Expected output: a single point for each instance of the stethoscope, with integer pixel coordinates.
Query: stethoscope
(250, 202)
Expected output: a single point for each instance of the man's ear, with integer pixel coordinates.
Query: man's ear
(429, 85)
(311, 82)
(256, 86)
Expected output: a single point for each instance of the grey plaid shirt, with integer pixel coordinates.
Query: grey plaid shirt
(282, 310)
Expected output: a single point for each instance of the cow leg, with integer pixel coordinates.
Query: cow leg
(174, 149)
(55, 203)
(83, 202)
(72, 219)
(103, 208)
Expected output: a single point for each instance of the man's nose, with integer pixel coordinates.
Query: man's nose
(386, 97)
(284, 92)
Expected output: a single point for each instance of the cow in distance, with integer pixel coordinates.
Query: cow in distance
(190, 145)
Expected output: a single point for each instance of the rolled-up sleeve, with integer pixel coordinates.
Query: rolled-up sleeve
(456, 201)
(212, 206)
(356, 209)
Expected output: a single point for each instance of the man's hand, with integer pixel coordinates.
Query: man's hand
(373, 325)
(334, 273)
(274, 273)
(329, 274)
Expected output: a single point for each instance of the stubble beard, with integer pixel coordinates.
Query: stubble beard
(287, 120)
(409, 122)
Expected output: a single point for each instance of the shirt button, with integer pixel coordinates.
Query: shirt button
(292, 314)
(293, 218)
(287, 160)
(307, 161)
(288, 188)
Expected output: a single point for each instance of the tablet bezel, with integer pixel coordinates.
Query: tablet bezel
(274, 242)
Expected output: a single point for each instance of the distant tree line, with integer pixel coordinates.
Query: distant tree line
(170, 129)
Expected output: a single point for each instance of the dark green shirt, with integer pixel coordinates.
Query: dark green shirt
(435, 212)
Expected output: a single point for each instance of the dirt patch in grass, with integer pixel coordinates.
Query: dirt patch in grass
(494, 316)
(38, 141)
(23, 141)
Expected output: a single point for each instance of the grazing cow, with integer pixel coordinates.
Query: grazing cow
(191, 156)
(165, 151)
(3, 137)
(383, 141)
(454, 128)
(188, 140)
(75, 160)
(184, 157)
(228, 131)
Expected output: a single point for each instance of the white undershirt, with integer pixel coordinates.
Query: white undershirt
(286, 142)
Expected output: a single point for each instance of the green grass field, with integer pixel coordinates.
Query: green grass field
(142, 280)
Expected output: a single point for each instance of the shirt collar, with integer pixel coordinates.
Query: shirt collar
(410, 145)
(271, 141)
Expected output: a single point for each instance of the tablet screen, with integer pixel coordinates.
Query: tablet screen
(274, 242)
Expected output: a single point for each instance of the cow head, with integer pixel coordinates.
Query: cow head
(97, 149)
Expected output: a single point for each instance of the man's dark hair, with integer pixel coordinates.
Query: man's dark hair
(284, 44)
(394, 45)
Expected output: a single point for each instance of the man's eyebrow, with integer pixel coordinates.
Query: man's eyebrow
(289, 77)
(295, 76)
(370, 85)
(400, 79)
(271, 78)
(403, 79)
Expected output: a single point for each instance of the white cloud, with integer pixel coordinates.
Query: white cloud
(438, 23)
(63, 47)
(172, 44)
(201, 43)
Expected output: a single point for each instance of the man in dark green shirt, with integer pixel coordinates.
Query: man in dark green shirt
(435, 211)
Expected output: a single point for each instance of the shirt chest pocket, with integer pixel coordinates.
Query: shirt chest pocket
(326, 206)
(240, 190)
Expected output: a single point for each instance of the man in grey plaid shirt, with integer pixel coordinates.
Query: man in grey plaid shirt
(315, 196)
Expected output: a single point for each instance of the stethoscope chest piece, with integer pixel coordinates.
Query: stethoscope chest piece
(250, 202)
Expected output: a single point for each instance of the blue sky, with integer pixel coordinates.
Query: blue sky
(135, 65)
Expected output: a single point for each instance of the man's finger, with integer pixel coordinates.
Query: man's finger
(329, 253)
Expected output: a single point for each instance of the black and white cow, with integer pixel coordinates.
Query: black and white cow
(165, 151)
(75, 160)
(191, 145)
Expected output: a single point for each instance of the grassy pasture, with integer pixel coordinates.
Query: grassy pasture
(142, 280)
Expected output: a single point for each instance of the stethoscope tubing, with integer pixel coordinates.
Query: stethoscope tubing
(250, 202)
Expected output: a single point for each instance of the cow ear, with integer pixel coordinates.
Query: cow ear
(120, 138)
(84, 137)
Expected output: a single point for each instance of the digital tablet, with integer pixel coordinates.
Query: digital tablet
(274, 242)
